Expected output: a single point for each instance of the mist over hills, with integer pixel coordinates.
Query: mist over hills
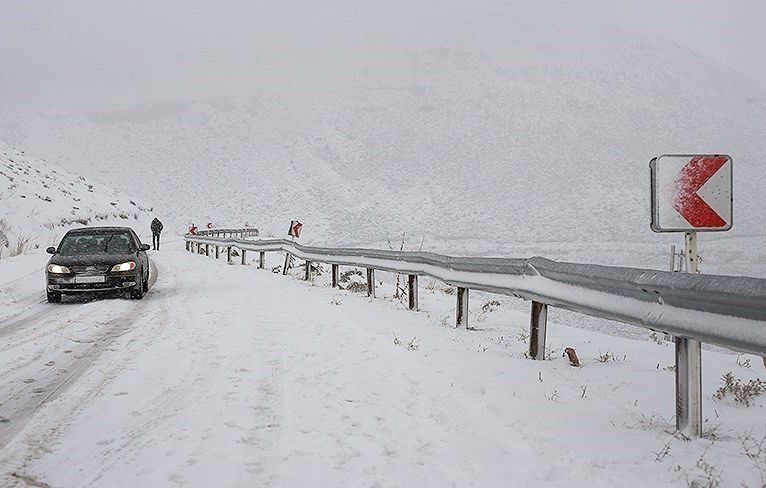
(520, 132)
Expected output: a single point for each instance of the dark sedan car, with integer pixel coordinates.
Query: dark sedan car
(98, 260)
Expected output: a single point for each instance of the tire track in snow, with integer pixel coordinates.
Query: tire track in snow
(40, 312)
(265, 434)
(33, 301)
(17, 410)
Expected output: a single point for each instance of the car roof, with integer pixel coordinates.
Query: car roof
(91, 230)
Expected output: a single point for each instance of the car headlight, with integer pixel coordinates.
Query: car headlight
(124, 266)
(57, 269)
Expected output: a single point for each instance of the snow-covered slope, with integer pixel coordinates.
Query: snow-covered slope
(522, 129)
(38, 201)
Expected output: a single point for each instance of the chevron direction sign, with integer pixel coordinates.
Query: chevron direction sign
(691, 193)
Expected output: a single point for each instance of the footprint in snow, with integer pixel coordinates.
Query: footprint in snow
(29, 380)
(50, 363)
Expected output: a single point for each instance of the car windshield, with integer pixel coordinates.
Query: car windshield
(111, 243)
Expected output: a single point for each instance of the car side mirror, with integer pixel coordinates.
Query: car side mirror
(144, 247)
(51, 250)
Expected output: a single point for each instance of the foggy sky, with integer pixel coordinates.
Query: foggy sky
(78, 54)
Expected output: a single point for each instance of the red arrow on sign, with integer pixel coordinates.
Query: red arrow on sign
(687, 202)
(295, 228)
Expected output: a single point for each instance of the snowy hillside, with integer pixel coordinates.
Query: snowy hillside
(38, 201)
(517, 130)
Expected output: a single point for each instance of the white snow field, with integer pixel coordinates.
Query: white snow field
(226, 375)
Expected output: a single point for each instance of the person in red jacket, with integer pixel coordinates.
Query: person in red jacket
(193, 230)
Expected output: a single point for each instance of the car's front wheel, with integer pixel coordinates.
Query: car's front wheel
(141, 289)
(54, 297)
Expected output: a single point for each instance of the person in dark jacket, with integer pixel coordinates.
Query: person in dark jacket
(156, 230)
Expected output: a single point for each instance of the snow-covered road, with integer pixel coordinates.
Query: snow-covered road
(45, 354)
(233, 376)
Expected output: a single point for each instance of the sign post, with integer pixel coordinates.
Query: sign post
(691, 194)
(294, 231)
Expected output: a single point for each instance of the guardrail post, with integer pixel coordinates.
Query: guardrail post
(243, 256)
(412, 291)
(335, 276)
(308, 270)
(688, 387)
(287, 262)
(537, 330)
(228, 254)
(689, 364)
(262, 260)
(216, 252)
(371, 282)
(461, 319)
(207, 249)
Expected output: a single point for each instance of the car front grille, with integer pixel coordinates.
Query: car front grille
(98, 269)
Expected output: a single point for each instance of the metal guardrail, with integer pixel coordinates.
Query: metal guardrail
(724, 310)
(246, 232)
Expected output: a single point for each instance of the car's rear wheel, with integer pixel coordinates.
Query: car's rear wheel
(54, 297)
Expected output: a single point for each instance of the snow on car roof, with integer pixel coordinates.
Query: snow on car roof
(88, 230)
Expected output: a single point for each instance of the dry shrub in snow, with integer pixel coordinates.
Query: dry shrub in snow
(743, 393)
(411, 346)
(18, 248)
(705, 476)
(755, 450)
(486, 309)
(4, 244)
(607, 357)
(353, 280)
(3, 233)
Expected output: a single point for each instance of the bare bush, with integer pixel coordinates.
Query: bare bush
(352, 280)
(553, 397)
(743, 363)
(412, 345)
(743, 393)
(755, 450)
(21, 246)
(707, 476)
(608, 357)
(4, 229)
(486, 309)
